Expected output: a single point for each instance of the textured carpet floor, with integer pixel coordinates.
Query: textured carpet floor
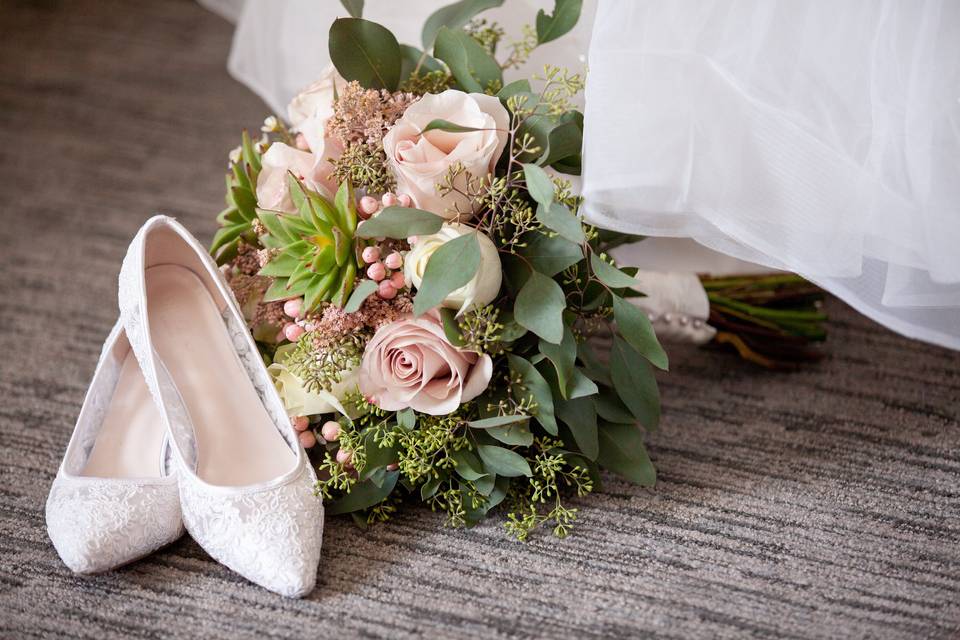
(824, 503)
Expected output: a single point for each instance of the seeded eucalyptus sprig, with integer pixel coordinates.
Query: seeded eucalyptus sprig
(315, 256)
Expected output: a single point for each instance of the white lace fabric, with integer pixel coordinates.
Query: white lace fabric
(97, 524)
(270, 533)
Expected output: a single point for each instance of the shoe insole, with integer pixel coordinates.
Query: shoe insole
(237, 441)
(131, 436)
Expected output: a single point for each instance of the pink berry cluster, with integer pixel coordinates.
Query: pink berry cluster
(387, 273)
(294, 329)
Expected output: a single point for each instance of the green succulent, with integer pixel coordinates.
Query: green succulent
(236, 221)
(316, 257)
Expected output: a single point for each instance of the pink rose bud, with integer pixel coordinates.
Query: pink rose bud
(292, 307)
(330, 430)
(344, 457)
(396, 279)
(376, 271)
(386, 290)
(368, 206)
(370, 254)
(292, 332)
(388, 199)
(307, 439)
(300, 423)
(394, 260)
(404, 200)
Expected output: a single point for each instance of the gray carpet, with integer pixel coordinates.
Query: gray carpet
(824, 503)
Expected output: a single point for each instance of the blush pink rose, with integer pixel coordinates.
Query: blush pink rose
(273, 192)
(410, 364)
(421, 160)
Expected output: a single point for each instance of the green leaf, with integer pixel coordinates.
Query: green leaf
(634, 382)
(622, 451)
(474, 69)
(454, 16)
(581, 385)
(450, 327)
(538, 184)
(512, 330)
(450, 267)
(592, 366)
(496, 421)
(407, 419)
(539, 307)
(504, 462)
(563, 357)
(557, 217)
(514, 88)
(364, 494)
(361, 293)
(226, 235)
(429, 488)
(446, 125)
(551, 254)
(353, 7)
(272, 223)
(580, 416)
(411, 57)
(400, 223)
(563, 19)
(612, 409)
(248, 154)
(346, 206)
(282, 265)
(468, 465)
(609, 274)
(563, 141)
(376, 457)
(537, 386)
(365, 51)
(514, 434)
(636, 329)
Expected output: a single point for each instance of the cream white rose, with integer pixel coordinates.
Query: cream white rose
(309, 111)
(273, 191)
(484, 287)
(420, 160)
(298, 401)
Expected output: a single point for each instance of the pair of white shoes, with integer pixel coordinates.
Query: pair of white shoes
(182, 427)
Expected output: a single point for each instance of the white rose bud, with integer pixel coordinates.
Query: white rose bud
(478, 292)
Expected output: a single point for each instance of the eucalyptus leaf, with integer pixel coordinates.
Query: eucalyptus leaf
(411, 57)
(407, 419)
(365, 51)
(557, 217)
(429, 488)
(400, 223)
(474, 69)
(514, 88)
(562, 20)
(538, 184)
(551, 254)
(504, 462)
(376, 457)
(468, 466)
(353, 7)
(364, 494)
(496, 421)
(360, 293)
(562, 356)
(454, 16)
(636, 329)
(564, 142)
(539, 307)
(612, 409)
(485, 484)
(450, 327)
(537, 386)
(450, 267)
(623, 452)
(580, 416)
(514, 434)
(609, 274)
(634, 382)
(446, 125)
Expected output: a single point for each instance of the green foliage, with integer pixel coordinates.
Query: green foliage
(474, 69)
(236, 221)
(563, 19)
(400, 223)
(364, 165)
(353, 7)
(453, 16)
(634, 382)
(322, 369)
(365, 51)
(450, 267)
(622, 451)
(636, 329)
(539, 307)
(360, 293)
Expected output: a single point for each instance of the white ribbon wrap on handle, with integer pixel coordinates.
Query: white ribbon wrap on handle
(677, 305)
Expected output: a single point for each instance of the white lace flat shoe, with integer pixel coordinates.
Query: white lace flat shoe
(246, 485)
(114, 498)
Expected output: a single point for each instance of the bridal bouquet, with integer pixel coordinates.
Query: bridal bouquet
(411, 263)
